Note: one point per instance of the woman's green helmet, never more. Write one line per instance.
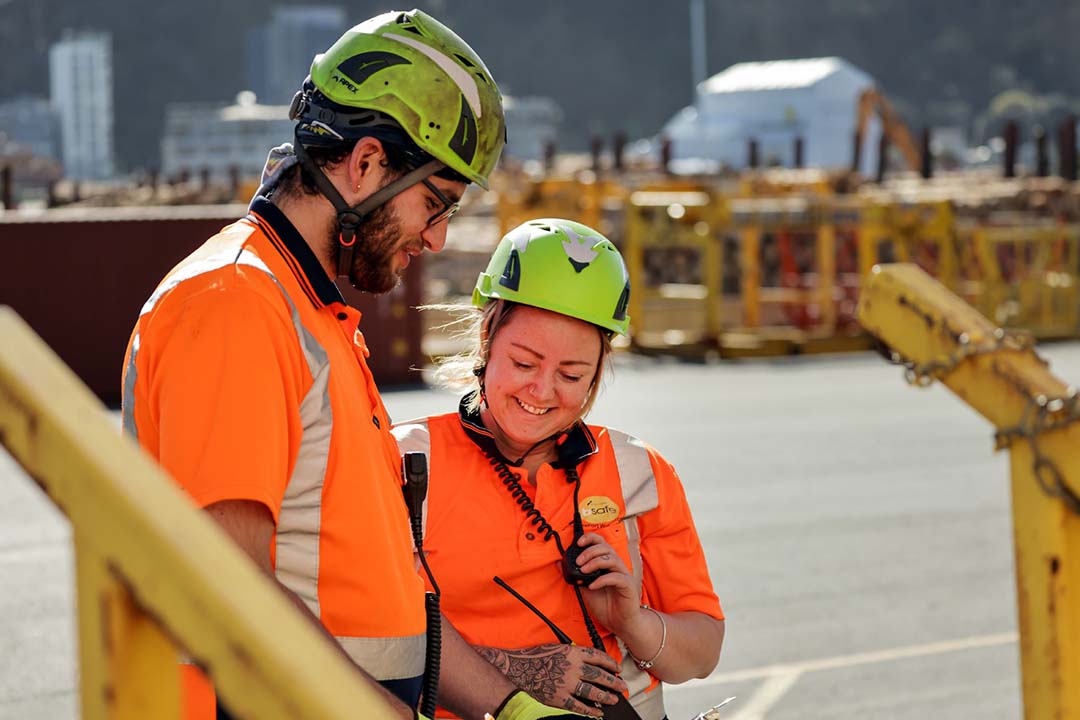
(562, 266)
(414, 69)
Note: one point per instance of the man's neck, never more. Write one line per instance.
(313, 218)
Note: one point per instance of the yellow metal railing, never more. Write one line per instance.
(156, 577)
(938, 336)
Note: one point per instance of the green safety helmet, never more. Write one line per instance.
(562, 266)
(416, 72)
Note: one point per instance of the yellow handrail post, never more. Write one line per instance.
(938, 336)
(128, 664)
(151, 566)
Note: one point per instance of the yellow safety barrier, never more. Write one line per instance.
(155, 576)
(940, 337)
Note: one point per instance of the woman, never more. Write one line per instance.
(587, 523)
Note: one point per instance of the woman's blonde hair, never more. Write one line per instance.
(479, 327)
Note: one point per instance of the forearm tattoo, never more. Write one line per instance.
(538, 670)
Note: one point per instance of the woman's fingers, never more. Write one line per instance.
(594, 675)
(589, 692)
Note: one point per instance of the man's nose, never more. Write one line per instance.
(434, 236)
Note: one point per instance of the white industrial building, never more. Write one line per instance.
(81, 89)
(774, 103)
(218, 138)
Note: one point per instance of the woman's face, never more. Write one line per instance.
(539, 370)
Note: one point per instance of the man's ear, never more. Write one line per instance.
(366, 164)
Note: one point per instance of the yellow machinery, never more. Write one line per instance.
(1028, 277)
(892, 125)
(939, 337)
(773, 262)
(674, 254)
(584, 198)
(156, 577)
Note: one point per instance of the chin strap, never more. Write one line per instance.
(350, 217)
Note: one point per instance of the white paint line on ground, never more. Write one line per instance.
(766, 696)
(842, 661)
(781, 678)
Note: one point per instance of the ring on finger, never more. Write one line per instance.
(582, 690)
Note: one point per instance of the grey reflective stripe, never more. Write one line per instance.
(415, 436)
(388, 658)
(640, 495)
(635, 473)
(297, 539)
(128, 400)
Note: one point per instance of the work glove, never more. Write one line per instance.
(519, 705)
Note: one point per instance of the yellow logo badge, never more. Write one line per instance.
(599, 510)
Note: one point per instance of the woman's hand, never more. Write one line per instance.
(565, 676)
(614, 598)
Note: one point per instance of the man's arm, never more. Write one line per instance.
(469, 686)
(471, 683)
(251, 526)
(574, 677)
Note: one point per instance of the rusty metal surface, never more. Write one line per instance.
(80, 278)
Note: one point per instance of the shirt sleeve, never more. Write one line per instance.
(675, 573)
(226, 387)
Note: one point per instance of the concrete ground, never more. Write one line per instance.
(857, 529)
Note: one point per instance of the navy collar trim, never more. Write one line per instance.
(576, 445)
(288, 241)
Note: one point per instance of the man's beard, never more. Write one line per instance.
(378, 238)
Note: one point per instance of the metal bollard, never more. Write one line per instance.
(1012, 139)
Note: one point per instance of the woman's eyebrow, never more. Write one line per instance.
(528, 349)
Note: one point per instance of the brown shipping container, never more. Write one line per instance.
(80, 276)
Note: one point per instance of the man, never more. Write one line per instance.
(246, 375)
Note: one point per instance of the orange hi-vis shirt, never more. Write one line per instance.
(246, 379)
(475, 529)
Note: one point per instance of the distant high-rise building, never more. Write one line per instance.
(29, 124)
(80, 80)
(279, 53)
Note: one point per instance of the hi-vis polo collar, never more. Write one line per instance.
(287, 240)
(577, 446)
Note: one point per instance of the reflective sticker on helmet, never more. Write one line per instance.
(464, 140)
(458, 74)
(579, 248)
(360, 67)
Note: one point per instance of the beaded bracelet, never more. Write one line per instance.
(646, 664)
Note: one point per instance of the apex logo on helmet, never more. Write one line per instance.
(361, 67)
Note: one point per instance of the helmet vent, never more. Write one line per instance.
(464, 60)
(624, 301)
(360, 67)
(511, 277)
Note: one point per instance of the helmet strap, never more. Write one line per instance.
(349, 218)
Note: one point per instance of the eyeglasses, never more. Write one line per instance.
(449, 209)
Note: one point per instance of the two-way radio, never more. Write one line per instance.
(414, 469)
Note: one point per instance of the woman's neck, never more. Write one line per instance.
(531, 457)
